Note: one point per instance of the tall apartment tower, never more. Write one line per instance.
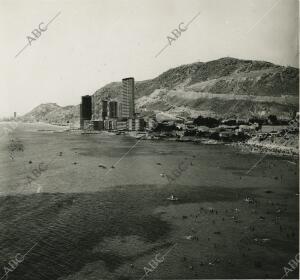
(104, 109)
(128, 98)
(113, 109)
(85, 109)
(120, 116)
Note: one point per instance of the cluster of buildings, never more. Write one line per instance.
(111, 114)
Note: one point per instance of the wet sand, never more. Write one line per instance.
(91, 221)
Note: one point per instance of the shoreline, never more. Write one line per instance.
(268, 149)
(247, 147)
(251, 146)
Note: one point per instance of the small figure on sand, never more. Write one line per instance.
(172, 198)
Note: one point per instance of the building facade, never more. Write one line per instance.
(139, 124)
(120, 110)
(121, 125)
(128, 98)
(85, 109)
(113, 109)
(98, 125)
(110, 124)
(104, 109)
(131, 124)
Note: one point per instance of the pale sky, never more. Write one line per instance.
(92, 43)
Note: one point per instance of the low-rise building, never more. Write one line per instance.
(131, 124)
(248, 128)
(139, 124)
(87, 125)
(190, 125)
(110, 124)
(121, 125)
(98, 125)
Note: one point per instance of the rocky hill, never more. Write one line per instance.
(226, 87)
(53, 113)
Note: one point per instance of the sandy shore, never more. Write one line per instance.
(91, 221)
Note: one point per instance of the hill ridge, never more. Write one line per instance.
(202, 88)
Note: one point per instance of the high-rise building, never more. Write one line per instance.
(15, 114)
(85, 109)
(128, 98)
(104, 109)
(96, 107)
(113, 109)
(120, 110)
(80, 114)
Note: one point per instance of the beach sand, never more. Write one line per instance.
(91, 221)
